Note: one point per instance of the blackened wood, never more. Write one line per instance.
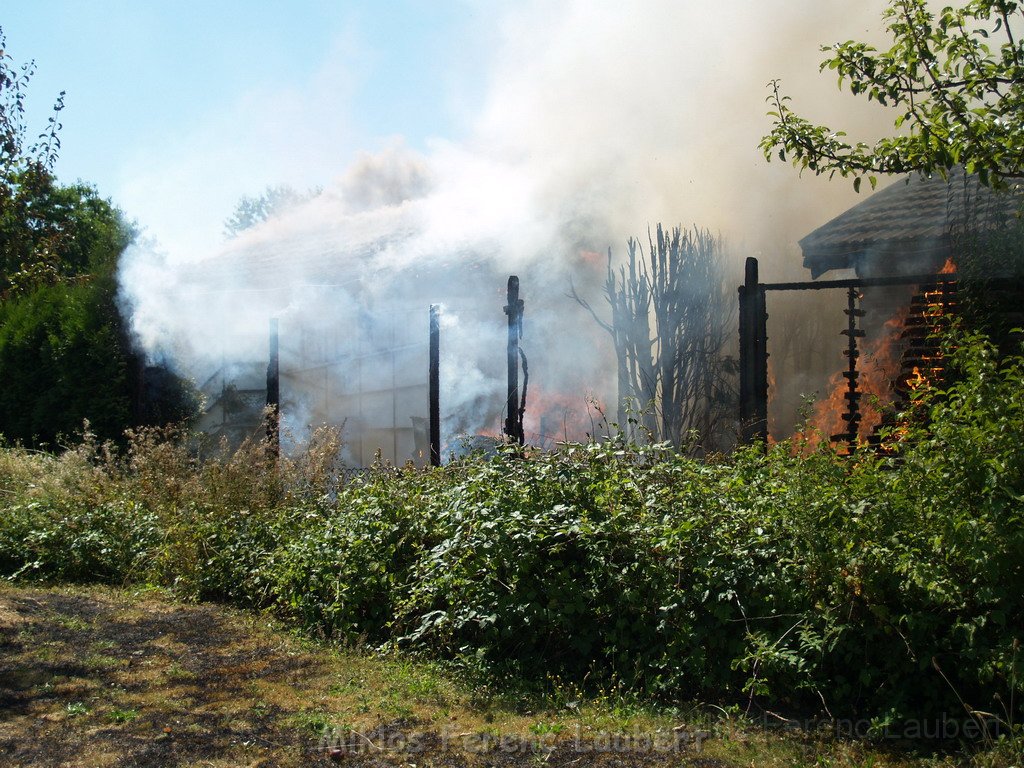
(435, 385)
(760, 424)
(852, 395)
(753, 358)
(514, 310)
(273, 410)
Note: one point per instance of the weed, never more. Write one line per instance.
(73, 623)
(546, 729)
(98, 662)
(178, 673)
(312, 721)
(119, 715)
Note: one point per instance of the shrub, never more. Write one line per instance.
(877, 585)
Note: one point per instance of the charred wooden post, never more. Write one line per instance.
(513, 409)
(747, 350)
(139, 395)
(753, 357)
(761, 369)
(852, 395)
(273, 409)
(435, 385)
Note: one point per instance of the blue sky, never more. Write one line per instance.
(245, 94)
(615, 113)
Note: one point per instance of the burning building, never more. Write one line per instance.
(352, 297)
(896, 245)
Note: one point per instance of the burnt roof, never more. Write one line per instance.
(907, 227)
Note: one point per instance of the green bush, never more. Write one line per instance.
(882, 585)
(349, 562)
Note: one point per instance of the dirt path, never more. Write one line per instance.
(93, 680)
(106, 678)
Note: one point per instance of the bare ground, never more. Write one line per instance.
(94, 677)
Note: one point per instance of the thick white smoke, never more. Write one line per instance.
(600, 119)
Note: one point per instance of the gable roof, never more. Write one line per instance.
(908, 227)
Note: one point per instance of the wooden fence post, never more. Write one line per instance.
(753, 357)
(435, 385)
(273, 410)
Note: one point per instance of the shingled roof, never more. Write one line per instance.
(906, 228)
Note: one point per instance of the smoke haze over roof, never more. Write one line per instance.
(596, 121)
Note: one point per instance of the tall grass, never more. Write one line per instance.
(887, 586)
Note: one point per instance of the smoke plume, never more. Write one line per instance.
(599, 120)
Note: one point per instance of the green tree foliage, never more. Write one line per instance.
(65, 354)
(15, 155)
(62, 359)
(31, 235)
(274, 201)
(955, 81)
(51, 234)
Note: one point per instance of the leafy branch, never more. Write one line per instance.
(957, 98)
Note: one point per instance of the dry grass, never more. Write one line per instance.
(99, 677)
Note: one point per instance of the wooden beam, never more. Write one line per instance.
(273, 409)
(753, 358)
(435, 385)
(514, 310)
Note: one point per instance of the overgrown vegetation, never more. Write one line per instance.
(878, 587)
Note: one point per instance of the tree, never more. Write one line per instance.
(274, 201)
(14, 155)
(65, 350)
(28, 238)
(671, 322)
(66, 353)
(958, 97)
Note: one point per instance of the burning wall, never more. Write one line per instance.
(912, 227)
(353, 313)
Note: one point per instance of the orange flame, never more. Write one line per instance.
(878, 365)
(553, 417)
